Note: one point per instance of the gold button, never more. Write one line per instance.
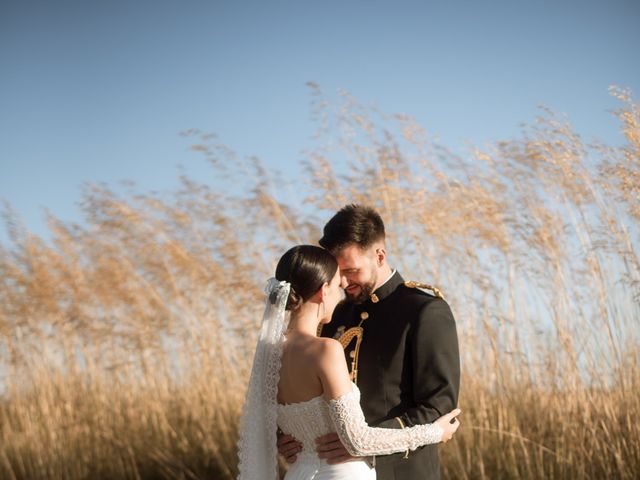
(364, 315)
(374, 298)
(352, 354)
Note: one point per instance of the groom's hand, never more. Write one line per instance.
(288, 447)
(331, 449)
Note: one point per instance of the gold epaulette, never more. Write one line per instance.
(436, 291)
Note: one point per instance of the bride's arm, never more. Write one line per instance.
(358, 438)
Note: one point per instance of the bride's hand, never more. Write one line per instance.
(447, 425)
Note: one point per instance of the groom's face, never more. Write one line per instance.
(358, 272)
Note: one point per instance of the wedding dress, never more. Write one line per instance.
(262, 415)
(316, 417)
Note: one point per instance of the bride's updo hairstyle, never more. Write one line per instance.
(306, 268)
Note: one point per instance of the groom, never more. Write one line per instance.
(406, 361)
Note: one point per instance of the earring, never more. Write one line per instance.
(323, 311)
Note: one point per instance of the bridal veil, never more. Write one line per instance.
(257, 449)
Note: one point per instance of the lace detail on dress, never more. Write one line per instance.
(360, 439)
(306, 421)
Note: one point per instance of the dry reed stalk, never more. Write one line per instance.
(126, 341)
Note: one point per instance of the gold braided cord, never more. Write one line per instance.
(346, 337)
(436, 291)
(345, 340)
(406, 454)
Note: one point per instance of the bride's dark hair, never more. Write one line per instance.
(306, 268)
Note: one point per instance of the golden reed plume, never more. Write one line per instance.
(126, 341)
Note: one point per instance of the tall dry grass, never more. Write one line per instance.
(126, 340)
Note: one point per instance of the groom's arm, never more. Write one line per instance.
(436, 366)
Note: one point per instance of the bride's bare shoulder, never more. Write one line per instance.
(329, 346)
(332, 369)
(316, 347)
(330, 352)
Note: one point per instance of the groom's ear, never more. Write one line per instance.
(381, 255)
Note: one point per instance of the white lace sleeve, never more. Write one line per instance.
(360, 439)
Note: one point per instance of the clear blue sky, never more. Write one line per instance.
(99, 90)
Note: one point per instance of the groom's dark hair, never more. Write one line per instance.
(352, 225)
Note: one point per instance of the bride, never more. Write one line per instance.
(300, 383)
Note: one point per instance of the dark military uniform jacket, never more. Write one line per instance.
(408, 368)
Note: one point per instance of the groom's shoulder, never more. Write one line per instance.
(418, 293)
(423, 301)
(430, 305)
(424, 289)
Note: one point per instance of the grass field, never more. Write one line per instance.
(125, 342)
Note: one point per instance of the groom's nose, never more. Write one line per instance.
(344, 283)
